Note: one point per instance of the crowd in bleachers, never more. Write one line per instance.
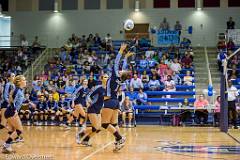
(162, 70)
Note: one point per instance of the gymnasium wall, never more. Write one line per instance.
(55, 28)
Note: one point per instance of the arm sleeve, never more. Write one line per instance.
(116, 64)
(5, 93)
(125, 64)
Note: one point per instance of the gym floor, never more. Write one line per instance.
(143, 142)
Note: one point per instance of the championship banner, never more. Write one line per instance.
(167, 37)
(234, 34)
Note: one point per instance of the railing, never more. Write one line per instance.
(38, 65)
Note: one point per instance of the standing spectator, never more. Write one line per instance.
(217, 111)
(127, 112)
(136, 83)
(97, 39)
(141, 97)
(178, 27)
(232, 96)
(108, 42)
(24, 42)
(201, 113)
(164, 25)
(230, 23)
(154, 84)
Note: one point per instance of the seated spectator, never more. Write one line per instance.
(132, 96)
(61, 83)
(185, 114)
(69, 89)
(136, 83)
(121, 96)
(161, 68)
(141, 97)
(108, 42)
(175, 66)
(145, 78)
(127, 112)
(230, 45)
(149, 53)
(97, 39)
(201, 113)
(220, 59)
(169, 84)
(40, 113)
(143, 63)
(217, 111)
(91, 81)
(55, 95)
(221, 44)
(154, 84)
(188, 78)
(187, 61)
(176, 79)
(186, 42)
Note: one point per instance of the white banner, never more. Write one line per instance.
(234, 34)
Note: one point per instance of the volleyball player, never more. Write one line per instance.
(16, 100)
(52, 108)
(9, 86)
(79, 103)
(94, 102)
(111, 103)
(64, 109)
(40, 112)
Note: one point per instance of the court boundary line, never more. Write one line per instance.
(98, 150)
(236, 140)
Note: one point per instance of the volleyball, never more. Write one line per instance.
(128, 25)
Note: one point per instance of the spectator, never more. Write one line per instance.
(91, 81)
(230, 44)
(176, 79)
(154, 84)
(69, 89)
(149, 53)
(188, 79)
(97, 39)
(186, 42)
(55, 95)
(201, 113)
(178, 27)
(136, 83)
(175, 66)
(187, 61)
(230, 23)
(141, 97)
(145, 78)
(232, 96)
(132, 96)
(220, 59)
(164, 25)
(169, 84)
(24, 42)
(108, 42)
(221, 44)
(217, 111)
(127, 111)
(143, 62)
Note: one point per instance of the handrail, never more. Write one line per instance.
(208, 68)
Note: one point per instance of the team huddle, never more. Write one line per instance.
(99, 105)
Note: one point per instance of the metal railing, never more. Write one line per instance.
(38, 65)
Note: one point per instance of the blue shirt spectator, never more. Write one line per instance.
(141, 97)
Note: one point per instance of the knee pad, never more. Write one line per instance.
(94, 129)
(105, 125)
(115, 125)
(10, 132)
(1, 126)
(18, 132)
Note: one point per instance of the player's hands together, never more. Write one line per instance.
(129, 54)
(122, 48)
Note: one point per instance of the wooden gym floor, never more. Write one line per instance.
(143, 143)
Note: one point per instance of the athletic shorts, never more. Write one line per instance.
(96, 109)
(10, 112)
(111, 104)
(4, 104)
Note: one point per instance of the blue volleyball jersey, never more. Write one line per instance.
(42, 106)
(18, 98)
(96, 96)
(80, 94)
(6, 91)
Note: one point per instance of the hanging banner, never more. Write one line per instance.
(234, 34)
(167, 37)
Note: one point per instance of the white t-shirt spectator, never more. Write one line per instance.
(188, 80)
(148, 54)
(170, 85)
(176, 67)
(232, 93)
(24, 43)
(154, 84)
(136, 83)
(108, 40)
